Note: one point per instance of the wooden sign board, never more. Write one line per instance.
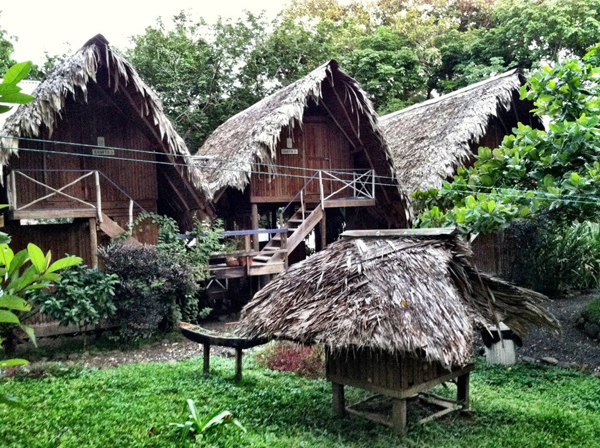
(289, 151)
(103, 152)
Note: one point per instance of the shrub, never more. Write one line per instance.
(589, 323)
(154, 291)
(84, 297)
(291, 357)
(555, 258)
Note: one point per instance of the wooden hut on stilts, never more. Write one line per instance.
(396, 311)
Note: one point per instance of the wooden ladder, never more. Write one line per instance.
(301, 223)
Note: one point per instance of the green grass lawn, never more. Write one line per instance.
(132, 406)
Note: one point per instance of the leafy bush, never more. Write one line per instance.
(556, 258)
(290, 357)
(205, 239)
(84, 297)
(154, 292)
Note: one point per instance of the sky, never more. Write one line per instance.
(51, 25)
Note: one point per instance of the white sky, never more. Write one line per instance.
(50, 25)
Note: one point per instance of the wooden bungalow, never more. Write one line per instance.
(313, 149)
(396, 311)
(429, 141)
(93, 151)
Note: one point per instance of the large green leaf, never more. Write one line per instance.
(37, 257)
(17, 98)
(17, 73)
(64, 263)
(8, 318)
(30, 332)
(4, 109)
(12, 362)
(14, 303)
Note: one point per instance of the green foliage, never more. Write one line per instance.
(205, 237)
(533, 172)
(154, 290)
(592, 311)
(526, 406)
(200, 426)
(84, 297)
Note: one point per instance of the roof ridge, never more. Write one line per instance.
(449, 95)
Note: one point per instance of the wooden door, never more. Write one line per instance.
(326, 149)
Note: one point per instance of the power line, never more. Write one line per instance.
(270, 165)
(527, 194)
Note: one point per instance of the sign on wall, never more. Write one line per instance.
(289, 151)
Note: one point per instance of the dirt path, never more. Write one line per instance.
(573, 346)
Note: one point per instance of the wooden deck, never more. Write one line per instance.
(53, 213)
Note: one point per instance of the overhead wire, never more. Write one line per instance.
(525, 194)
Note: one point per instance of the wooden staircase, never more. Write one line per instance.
(301, 223)
(114, 230)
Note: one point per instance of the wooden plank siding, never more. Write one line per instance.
(320, 145)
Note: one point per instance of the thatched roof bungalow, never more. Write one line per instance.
(95, 147)
(413, 292)
(430, 140)
(242, 152)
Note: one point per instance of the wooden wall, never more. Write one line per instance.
(84, 123)
(319, 145)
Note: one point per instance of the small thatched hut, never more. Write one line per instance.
(93, 151)
(396, 311)
(321, 127)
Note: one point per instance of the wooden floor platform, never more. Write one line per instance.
(222, 271)
(53, 213)
(349, 202)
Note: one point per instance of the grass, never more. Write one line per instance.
(526, 406)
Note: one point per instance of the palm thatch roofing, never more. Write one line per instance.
(408, 292)
(231, 153)
(430, 140)
(71, 79)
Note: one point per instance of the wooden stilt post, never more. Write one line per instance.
(399, 416)
(93, 242)
(324, 230)
(255, 226)
(462, 390)
(206, 358)
(238, 364)
(339, 403)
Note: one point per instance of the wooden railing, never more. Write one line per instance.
(60, 191)
(361, 186)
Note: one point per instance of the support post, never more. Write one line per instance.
(284, 250)
(255, 226)
(130, 214)
(13, 184)
(93, 242)
(373, 184)
(462, 390)
(247, 243)
(98, 196)
(238, 364)
(339, 403)
(206, 349)
(399, 416)
(322, 193)
(324, 230)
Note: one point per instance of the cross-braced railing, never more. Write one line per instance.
(60, 191)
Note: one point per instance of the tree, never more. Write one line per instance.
(533, 172)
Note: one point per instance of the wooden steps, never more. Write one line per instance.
(114, 230)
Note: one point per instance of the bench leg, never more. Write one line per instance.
(399, 421)
(206, 358)
(339, 403)
(462, 390)
(238, 364)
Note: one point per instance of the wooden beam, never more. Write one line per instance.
(255, 225)
(338, 400)
(177, 192)
(323, 228)
(399, 416)
(462, 390)
(399, 232)
(93, 242)
(53, 213)
(238, 364)
(206, 355)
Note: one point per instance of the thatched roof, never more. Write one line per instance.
(429, 140)
(413, 294)
(70, 79)
(251, 136)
